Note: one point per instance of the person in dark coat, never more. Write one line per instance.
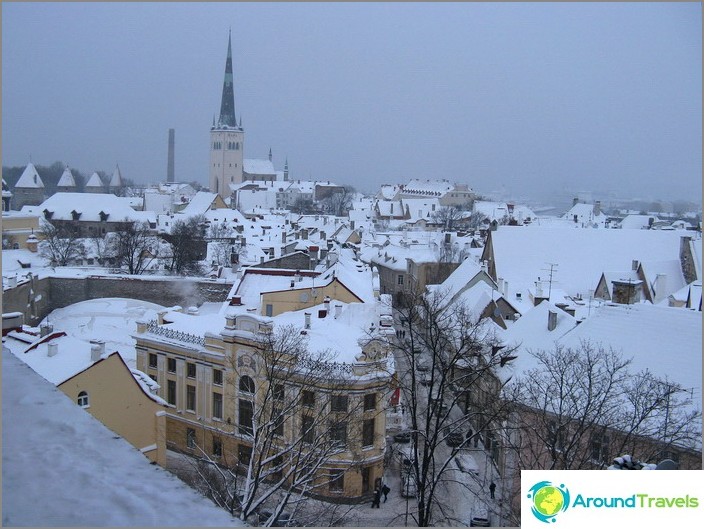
(377, 498)
(492, 489)
(385, 490)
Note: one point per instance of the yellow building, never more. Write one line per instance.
(103, 385)
(17, 228)
(223, 378)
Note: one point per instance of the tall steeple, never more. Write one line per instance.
(227, 106)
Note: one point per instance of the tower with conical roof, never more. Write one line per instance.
(226, 138)
(29, 189)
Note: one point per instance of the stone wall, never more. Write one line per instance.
(57, 292)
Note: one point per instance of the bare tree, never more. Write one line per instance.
(136, 246)
(295, 416)
(448, 360)
(61, 244)
(579, 407)
(187, 245)
(339, 202)
(224, 242)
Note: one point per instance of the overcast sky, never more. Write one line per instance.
(524, 98)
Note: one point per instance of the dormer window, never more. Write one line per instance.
(48, 214)
(103, 216)
(75, 215)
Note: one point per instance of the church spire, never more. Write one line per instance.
(227, 106)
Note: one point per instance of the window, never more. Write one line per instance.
(269, 309)
(83, 399)
(600, 448)
(152, 360)
(308, 429)
(370, 402)
(368, 432)
(338, 434)
(244, 454)
(308, 398)
(338, 403)
(171, 392)
(153, 377)
(191, 398)
(171, 365)
(246, 415)
(217, 377)
(217, 405)
(190, 438)
(399, 280)
(246, 384)
(277, 417)
(337, 481)
(190, 370)
(217, 447)
(278, 392)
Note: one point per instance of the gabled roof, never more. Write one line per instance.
(259, 167)
(90, 206)
(30, 178)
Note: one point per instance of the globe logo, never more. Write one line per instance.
(548, 500)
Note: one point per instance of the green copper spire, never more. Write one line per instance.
(227, 106)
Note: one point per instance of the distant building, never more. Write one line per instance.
(226, 138)
(29, 189)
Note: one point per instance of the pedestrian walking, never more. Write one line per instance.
(377, 498)
(385, 490)
(492, 489)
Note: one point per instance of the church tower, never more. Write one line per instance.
(226, 138)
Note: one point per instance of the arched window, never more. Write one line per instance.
(246, 384)
(83, 399)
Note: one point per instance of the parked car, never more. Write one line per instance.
(284, 519)
(480, 516)
(402, 437)
(408, 486)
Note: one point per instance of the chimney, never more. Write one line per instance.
(500, 281)
(230, 319)
(45, 329)
(485, 267)
(538, 289)
(659, 287)
(448, 238)
(575, 201)
(53, 348)
(97, 349)
(505, 291)
(32, 243)
(283, 237)
(326, 303)
(634, 264)
(170, 177)
(12, 281)
(552, 320)
(307, 316)
(597, 208)
(304, 234)
(338, 311)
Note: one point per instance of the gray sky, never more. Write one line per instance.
(526, 98)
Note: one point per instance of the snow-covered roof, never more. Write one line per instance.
(665, 340)
(671, 281)
(637, 222)
(259, 167)
(524, 254)
(66, 469)
(66, 179)
(94, 181)
(436, 188)
(30, 178)
(460, 277)
(199, 204)
(497, 210)
(90, 205)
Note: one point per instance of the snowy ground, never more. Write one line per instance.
(61, 467)
(110, 319)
